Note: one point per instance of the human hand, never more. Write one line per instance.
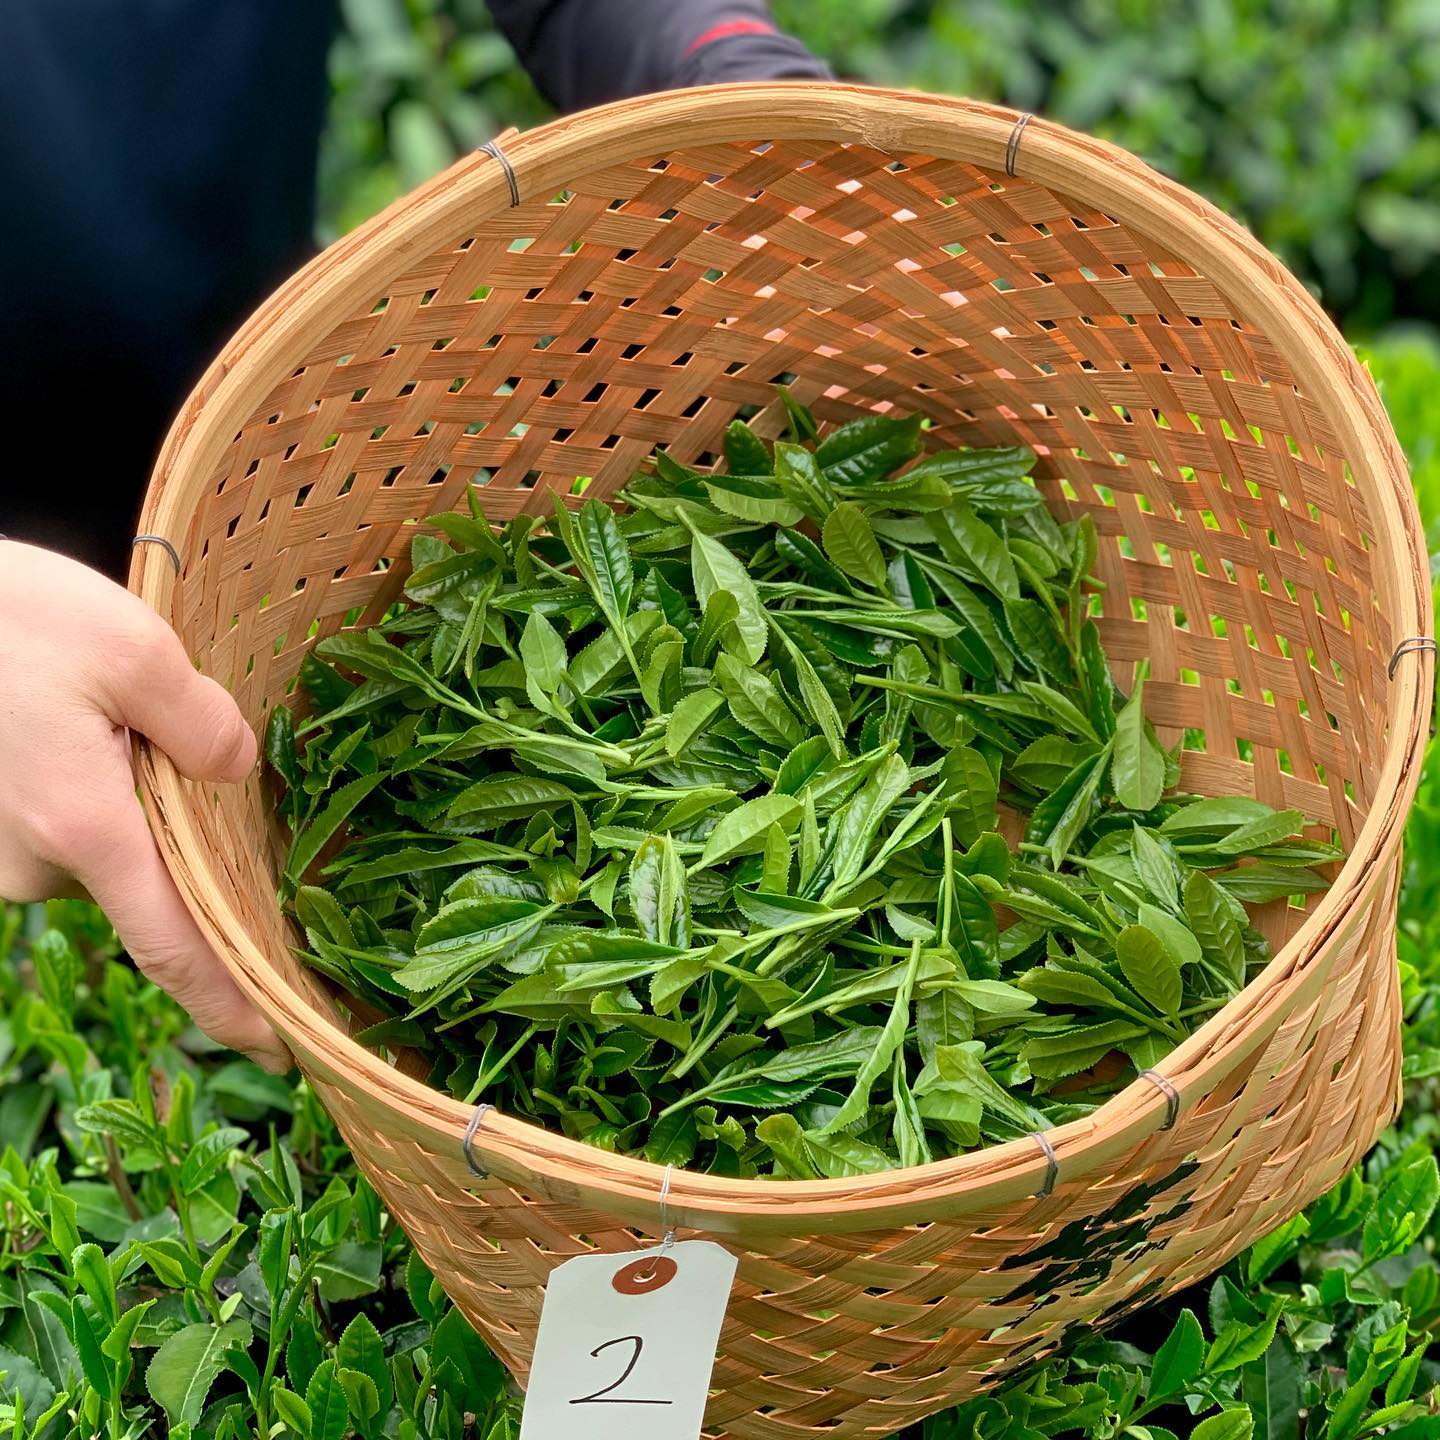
(82, 663)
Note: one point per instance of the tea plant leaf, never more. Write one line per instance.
(1273, 1388)
(867, 449)
(24, 1380)
(750, 499)
(1209, 913)
(757, 704)
(976, 549)
(689, 717)
(312, 838)
(673, 1140)
(743, 829)
(1149, 968)
(186, 1366)
(361, 1349)
(972, 788)
(329, 1409)
(878, 1060)
(611, 573)
(120, 1118)
(1180, 944)
(1178, 1360)
(1154, 867)
(1232, 1424)
(1053, 1057)
(292, 1410)
(1260, 832)
(543, 653)
(715, 569)
(851, 545)
(802, 422)
(745, 452)
(1137, 771)
(207, 1157)
(349, 1271)
(1238, 1343)
(1406, 1202)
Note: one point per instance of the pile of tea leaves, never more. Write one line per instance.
(679, 829)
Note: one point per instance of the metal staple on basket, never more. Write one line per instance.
(1012, 145)
(1052, 1164)
(164, 544)
(1172, 1096)
(492, 147)
(467, 1144)
(1414, 645)
(679, 253)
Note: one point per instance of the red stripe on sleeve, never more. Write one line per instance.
(728, 28)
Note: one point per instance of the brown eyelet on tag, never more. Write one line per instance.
(642, 1276)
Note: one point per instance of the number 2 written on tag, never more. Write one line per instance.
(627, 1343)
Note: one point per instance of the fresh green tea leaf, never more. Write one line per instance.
(1149, 967)
(1137, 769)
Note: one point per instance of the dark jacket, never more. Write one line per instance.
(157, 159)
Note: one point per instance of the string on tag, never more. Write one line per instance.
(669, 1241)
(656, 1269)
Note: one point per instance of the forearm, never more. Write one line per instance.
(585, 52)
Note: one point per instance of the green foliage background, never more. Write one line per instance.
(1316, 122)
(185, 1246)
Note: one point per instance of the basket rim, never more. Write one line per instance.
(475, 188)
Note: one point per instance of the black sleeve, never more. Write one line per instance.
(157, 163)
(585, 52)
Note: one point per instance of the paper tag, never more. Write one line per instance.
(627, 1343)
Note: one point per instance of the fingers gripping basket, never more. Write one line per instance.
(639, 276)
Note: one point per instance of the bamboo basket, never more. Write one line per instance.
(563, 302)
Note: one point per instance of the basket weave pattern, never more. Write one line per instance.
(669, 260)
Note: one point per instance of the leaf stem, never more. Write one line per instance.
(698, 1051)
(487, 1078)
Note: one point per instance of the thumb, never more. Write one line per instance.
(124, 874)
(156, 691)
